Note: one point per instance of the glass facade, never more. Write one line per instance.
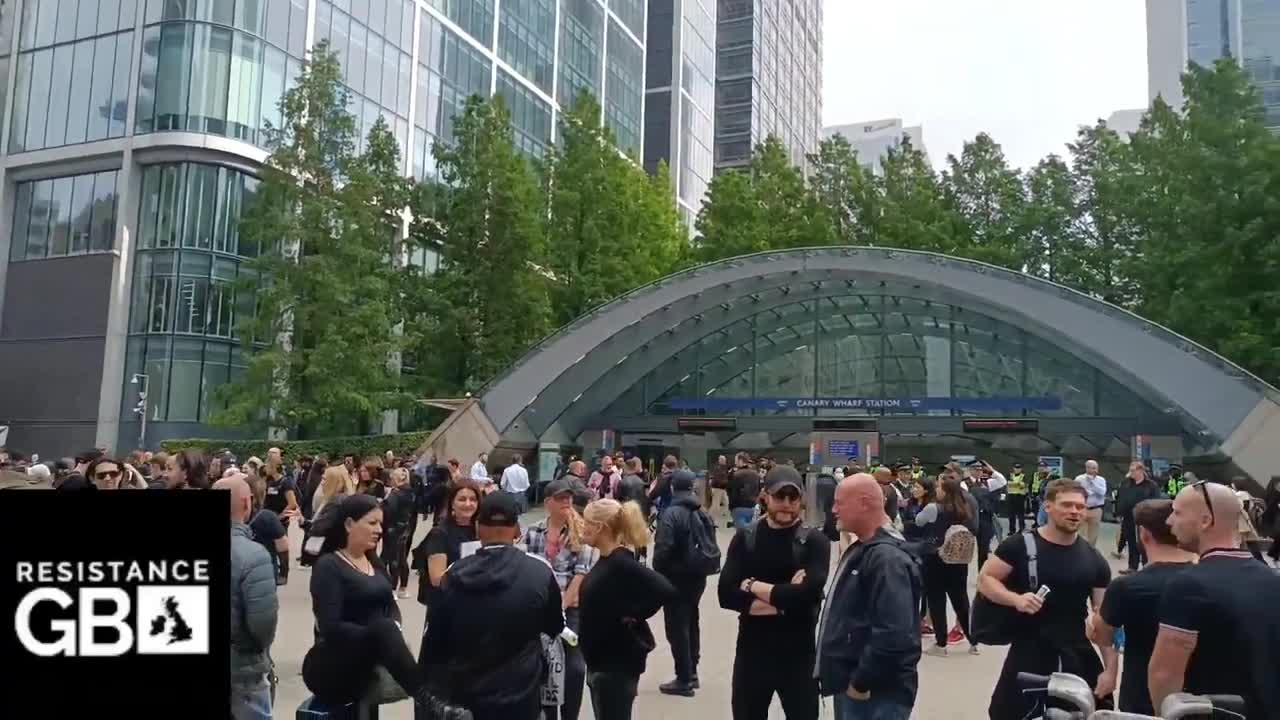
(182, 320)
(72, 83)
(526, 33)
(875, 347)
(768, 78)
(624, 89)
(581, 41)
(449, 71)
(530, 116)
(64, 216)
(1244, 29)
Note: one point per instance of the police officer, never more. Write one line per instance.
(1175, 482)
(1017, 499)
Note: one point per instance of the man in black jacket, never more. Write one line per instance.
(744, 491)
(869, 634)
(486, 622)
(773, 576)
(1138, 486)
(670, 554)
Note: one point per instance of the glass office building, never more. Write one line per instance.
(679, 96)
(131, 134)
(768, 78)
(1180, 32)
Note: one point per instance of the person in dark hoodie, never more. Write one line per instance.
(670, 558)
(1137, 487)
(619, 596)
(868, 636)
(488, 618)
(773, 576)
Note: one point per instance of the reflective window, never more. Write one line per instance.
(64, 216)
(1260, 54)
(185, 302)
(581, 35)
(530, 116)
(526, 33)
(449, 71)
(475, 17)
(624, 89)
(631, 12)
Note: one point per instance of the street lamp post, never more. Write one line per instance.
(142, 381)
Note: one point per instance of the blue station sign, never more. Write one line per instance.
(899, 404)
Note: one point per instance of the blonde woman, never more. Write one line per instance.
(335, 483)
(558, 540)
(618, 597)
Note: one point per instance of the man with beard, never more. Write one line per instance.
(1219, 618)
(774, 573)
(1051, 636)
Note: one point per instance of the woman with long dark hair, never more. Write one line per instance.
(920, 494)
(397, 510)
(943, 580)
(357, 620)
(444, 543)
(188, 470)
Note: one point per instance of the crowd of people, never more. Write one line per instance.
(527, 619)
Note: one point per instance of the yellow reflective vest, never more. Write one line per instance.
(1017, 484)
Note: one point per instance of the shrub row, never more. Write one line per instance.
(401, 444)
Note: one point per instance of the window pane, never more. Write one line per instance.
(81, 213)
(211, 65)
(56, 129)
(128, 13)
(104, 211)
(27, 28)
(60, 217)
(249, 15)
(378, 16)
(21, 93)
(146, 79)
(201, 205)
(141, 293)
(273, 88)
(170, 200)
(173, 77)
(38, 111)
(227, 227)
(216, 374)
(108, 15)
(85, 20)
(21, 221)
(80, 98)
(160, 304)
(244, 96)
(390, 74)
(157, 369)
(46, 23)
(277, 32)
(38, 235)
(356, 59)
(184, 380)
(298, 27)
(117, 108)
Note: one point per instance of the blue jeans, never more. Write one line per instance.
(250, 702)
(874, 709)
(742, 517)
(521, 498)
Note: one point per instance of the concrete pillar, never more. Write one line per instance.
(111, 392)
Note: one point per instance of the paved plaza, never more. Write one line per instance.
(957, 687)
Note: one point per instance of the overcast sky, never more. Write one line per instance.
(1028, 72)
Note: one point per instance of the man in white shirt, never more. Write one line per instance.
(515, 482)
(1095, 487)
(480, 470)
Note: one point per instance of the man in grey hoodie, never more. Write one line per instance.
(254, 609)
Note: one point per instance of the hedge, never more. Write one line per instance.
(402, 444)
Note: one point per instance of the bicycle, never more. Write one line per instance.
(1073, 690)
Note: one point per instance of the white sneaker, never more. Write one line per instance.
(973, 649)
(402, 594)
(936, 651)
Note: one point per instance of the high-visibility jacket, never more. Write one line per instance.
(1037, 482)
(917, 473)
(1175, 485)
(1017, 484)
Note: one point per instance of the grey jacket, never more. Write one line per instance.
(254, 607)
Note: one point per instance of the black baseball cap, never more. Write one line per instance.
(781, 476)
(557, 487)
(1017, 466)
(903, 466)
(682, 480)
(498, 510)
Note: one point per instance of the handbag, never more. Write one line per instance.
(994, 624)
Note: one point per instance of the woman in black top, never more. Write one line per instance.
(282, 499)
(618, 597)
(443, 545)
(943, 581)
(920, 495)
(397, 511)
(357, 620)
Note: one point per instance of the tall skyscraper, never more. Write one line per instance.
(680, 95)
(130, 143)
(768, 78)
(1180, 32)
(873, 139)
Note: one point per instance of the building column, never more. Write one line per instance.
(111, 392)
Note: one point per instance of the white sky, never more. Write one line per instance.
(1027, 72)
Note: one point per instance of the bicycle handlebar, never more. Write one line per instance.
(1033, 681)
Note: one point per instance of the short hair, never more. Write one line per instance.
(1154, 516)
(1063, 485)
(671, 462)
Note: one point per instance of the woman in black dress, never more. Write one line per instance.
(357, 620)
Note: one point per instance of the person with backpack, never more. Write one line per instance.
(950, 530)
(685, 552)
(774, 573)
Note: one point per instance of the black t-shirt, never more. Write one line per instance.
(1232, 602)
(275, 500)
(1071, 572)
(267, 528)
(444, 539)
(890, 500)
(1131, 603)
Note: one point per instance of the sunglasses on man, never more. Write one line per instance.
(787, 494)
(1204, 490)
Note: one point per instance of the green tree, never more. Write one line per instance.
(1101, 255)
(1050, 220)
(488, 302)
(326, 221)
(764, 206)
(845, 193)
(985, 195)
(610, 227)
(914, 212)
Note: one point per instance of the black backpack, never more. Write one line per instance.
(702, 552)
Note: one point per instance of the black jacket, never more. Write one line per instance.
(619, 596)
(869, 633)
(398, 509)
(670, 542)
(744, 488)
(1131, 493)
(484, 646)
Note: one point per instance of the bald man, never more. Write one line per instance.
(1220, 618)
(869, 633)
(254, 608)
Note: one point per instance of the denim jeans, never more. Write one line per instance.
(742, 517)
(874, 709)
(251, 702)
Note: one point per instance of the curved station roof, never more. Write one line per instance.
(915, 339)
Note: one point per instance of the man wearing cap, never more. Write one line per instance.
(487, 619)
(680, 616)
(773, 576)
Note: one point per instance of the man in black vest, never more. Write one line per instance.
(773, 577)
